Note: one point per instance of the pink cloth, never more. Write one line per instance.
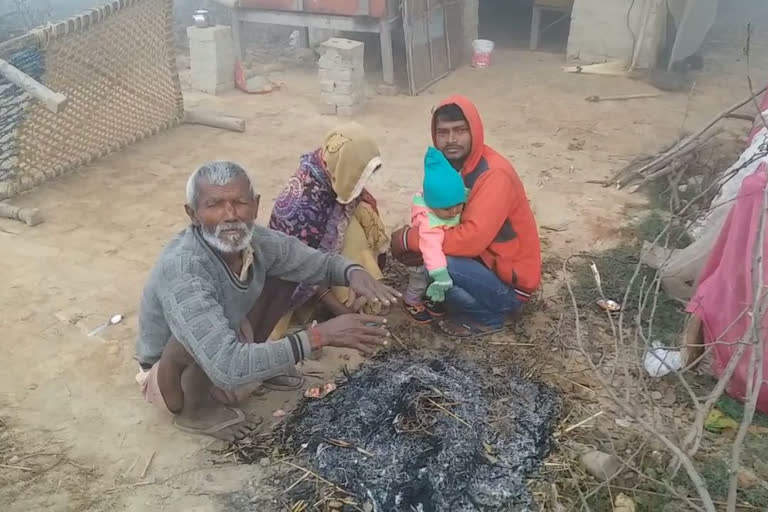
(725, 286)
(430, 238)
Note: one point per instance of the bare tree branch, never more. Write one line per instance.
(690, 468)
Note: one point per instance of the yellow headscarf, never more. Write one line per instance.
(351, 157)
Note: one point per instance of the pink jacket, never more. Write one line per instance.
(431, 229)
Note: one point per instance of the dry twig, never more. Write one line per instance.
(146, 466)
(628, 407)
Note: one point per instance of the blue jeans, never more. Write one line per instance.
(478, 295)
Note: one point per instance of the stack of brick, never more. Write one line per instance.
(342, 78)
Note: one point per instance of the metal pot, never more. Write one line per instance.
(202, 18)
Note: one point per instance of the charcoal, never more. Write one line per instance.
(435, 432)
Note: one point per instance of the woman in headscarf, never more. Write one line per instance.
(326, 206)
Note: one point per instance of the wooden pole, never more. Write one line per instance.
(54, 101)
(30, 216)
(234, 124)
(625, 97)
(661, 160)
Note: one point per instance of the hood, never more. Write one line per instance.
(475, 128)
(351, 156)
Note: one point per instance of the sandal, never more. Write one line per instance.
(418, 313)
(464, 330)
(212, 431)
(284, 383)
(436, 309)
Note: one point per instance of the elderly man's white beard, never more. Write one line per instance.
(227, 242)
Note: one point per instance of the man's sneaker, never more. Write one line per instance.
(418, 313)
(435, 308)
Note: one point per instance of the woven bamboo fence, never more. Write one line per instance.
(116, 65)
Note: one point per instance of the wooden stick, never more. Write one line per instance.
(20, 468)
(146, 466)
(582, 422)
(54, 101)
(623, 97)
(234, 124)
(30, 216)
(616, 68)
(129, 486)
(681, 158)
(449, 413)
(663, 158)
(743, 117)
(130, 468)
(317, 476)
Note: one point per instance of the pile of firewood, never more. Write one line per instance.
(674, 160)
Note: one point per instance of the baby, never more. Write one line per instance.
(438, 208)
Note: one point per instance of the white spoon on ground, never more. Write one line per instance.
(116, 319)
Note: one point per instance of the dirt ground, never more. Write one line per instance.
(75, 433)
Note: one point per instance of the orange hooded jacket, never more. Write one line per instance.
(497, 225)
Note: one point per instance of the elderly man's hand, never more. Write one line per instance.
(362, 332)
(399, 247)
(364, 289)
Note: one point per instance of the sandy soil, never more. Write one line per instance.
(76, 433)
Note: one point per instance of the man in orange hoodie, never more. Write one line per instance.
(494, 255)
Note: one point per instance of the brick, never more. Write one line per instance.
(342, 87)
(335, 61)
(343, 100)
(346, 49)
(216, 33)
(341, 75)
(328, 110)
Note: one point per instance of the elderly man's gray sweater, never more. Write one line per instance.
(193, 295)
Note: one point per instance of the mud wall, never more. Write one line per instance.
(600, 31)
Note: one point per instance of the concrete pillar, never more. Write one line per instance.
(212, 58)
(470, 21)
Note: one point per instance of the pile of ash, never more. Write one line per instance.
(426, 433)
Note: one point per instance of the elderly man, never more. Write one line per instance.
(216, 293)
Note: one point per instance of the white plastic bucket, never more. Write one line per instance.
(481, 52)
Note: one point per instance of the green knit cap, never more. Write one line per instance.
(443, 185)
